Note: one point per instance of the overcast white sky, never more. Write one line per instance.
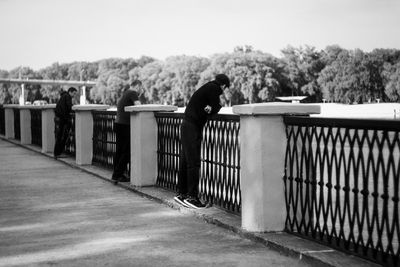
(37, 33)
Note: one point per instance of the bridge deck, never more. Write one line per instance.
(52, 213)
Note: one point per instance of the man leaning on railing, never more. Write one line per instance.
(203, 103)
(62, 120)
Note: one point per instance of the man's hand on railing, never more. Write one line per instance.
(208, 109)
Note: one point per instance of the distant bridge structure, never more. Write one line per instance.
(22, 82)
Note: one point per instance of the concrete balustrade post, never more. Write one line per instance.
(9, 120)
(48, 128)
(25, 125)
(144, 143)
(84, 132)
(262, 156)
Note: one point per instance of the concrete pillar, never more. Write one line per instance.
(144, 143)
(25, 124)
(84, 132)
(48, 128)
(9, 120)
(262, 157)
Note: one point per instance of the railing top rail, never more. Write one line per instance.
(372, 124)
(104, 111)
(233, 117)
(37, 107)
(168, 114)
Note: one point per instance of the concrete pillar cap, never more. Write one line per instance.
(90, 107)
(276, 108)
(10, 106)
(37, 106)
(150, 107)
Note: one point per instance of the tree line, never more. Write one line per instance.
(333, 74)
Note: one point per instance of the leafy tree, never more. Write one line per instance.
(5, 95)
(292, 57)
(21, 73)
(350, 78)
(303, 68)
(153, 84)
(54, 72)
(184, 75)
(115, 86)
(144, 60)
(378, 59)
(172, 81)
(82, 71)
(113, 75)
(3, 74)
(252, 74)
(330, 54)
(391, 76)
(101, 93)
(334, 73)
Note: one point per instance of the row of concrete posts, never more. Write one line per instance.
(262, 150)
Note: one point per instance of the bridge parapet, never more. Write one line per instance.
(25, 124)
(294, 170)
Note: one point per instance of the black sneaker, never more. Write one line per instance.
(124, 179)
(180, 199)
(194, 202)
(121, 179)
(114, 179)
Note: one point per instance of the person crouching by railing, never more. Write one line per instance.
(122, 129)
(203, 103)
(63, 120)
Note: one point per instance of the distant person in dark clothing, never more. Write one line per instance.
(63, 120)
(122, 157)
(203, 103)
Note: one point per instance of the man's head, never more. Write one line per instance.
(137, 86)
(72, 91)
(222, 80)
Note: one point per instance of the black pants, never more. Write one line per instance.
(62, 129)
(189, 169)
(123, 149)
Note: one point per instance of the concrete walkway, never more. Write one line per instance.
(53, 212)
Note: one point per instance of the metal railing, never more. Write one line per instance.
(104, 140)
(341, 183)
(17, 126)
(220, 158)
(2, 121)
(70, 144)
(36, 126)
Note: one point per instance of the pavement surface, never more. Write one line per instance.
(55, 213)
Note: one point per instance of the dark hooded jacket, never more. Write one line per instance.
(128, 98)
(64, 106)
(208, 94)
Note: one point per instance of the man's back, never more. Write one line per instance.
(208, 94)
(64, 106)
(128, 99)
